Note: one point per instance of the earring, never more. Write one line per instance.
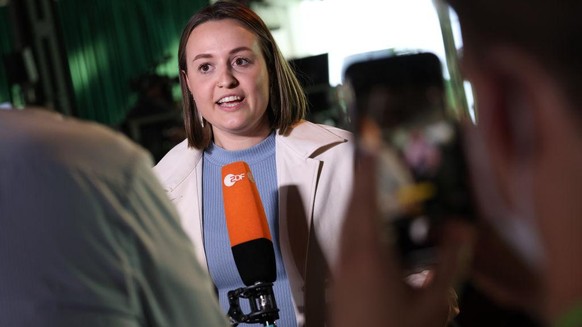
(201, 120)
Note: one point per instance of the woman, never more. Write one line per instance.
(243, 102)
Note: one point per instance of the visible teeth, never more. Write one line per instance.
(229, 99)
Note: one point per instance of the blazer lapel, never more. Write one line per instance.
(186, 195)
(298, 173)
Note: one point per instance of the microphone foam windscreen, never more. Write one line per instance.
(248, 229)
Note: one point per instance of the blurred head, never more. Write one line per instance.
(523, 60)
(227, 50)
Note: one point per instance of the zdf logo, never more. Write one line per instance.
(231, 179)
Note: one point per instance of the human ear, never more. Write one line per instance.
(491, 124)
(185, 78)
(507, 102)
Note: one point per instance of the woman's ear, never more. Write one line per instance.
(184, 76)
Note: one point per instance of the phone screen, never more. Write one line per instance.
(398, 108)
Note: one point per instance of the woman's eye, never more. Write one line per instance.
(241, 61)
(204, 68)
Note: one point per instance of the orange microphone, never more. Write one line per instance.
(248, 230)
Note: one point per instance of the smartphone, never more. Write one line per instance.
(398, 109)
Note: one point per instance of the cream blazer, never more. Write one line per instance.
(315, 168)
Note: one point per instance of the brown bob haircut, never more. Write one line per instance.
(287, 101)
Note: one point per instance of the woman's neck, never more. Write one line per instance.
(233, 141)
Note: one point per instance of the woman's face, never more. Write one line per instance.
(227, 76)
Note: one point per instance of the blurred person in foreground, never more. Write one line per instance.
(523, 60)
(87, 235)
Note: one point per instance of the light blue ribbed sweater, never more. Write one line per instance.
(261, 160)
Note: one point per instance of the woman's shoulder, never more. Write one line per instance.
(312, 139)
(317, 131)
(177, 164)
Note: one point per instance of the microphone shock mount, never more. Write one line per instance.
(261, 301)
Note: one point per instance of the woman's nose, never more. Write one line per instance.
(226, 79)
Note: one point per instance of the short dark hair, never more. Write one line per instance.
(287, 100)
(549, 30)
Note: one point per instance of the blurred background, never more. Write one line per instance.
(114, 62)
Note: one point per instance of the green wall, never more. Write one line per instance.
(5, 47)
(110, 42)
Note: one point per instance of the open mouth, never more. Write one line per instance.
(230, 101)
